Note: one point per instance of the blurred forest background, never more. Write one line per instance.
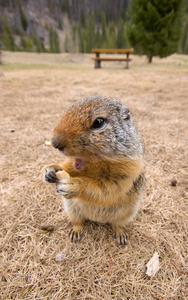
(71, 25)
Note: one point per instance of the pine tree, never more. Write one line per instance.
(65, 7)
(103, 22)
(184, 44)
(74, 39)
(54, 41)
(111, 36)
(38, 44)
(1, 46)
(97, 38)
(26, 44)
(121, 40)
(60, 23)
(8, 38)
(36, 41)
(155, 27)
(90, 33)
(82, 18)
(66, 44)
(80, 39)
(23, 18)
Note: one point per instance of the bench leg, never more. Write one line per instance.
(127, 62)
(97, 64)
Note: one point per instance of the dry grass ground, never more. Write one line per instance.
(34, 91)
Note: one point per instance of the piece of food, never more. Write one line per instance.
(153, 265)
(62, 175)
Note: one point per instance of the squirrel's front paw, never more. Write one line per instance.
(69, 188)
(49, 173)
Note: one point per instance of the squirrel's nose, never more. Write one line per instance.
(56, 143)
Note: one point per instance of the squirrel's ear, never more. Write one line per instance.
(126, 116)
(126, 113)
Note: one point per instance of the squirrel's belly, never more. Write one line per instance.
(101, 214)
(76, 209)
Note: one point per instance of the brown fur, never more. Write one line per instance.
(107, 188)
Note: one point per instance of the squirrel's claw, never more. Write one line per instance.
(121, 236)
(49, 173)
(75, 233)
(51, 177)
(68, 188)
(74, 236)
(64, 189)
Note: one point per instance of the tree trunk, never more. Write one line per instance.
(150, 59)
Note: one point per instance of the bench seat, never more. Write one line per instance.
(98, 58)
(112, 58)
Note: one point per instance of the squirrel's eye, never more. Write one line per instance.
(98, 123)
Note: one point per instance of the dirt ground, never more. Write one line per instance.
(34, 91)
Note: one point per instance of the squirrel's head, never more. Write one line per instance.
(97, 126)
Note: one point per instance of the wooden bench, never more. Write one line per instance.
(98, 58)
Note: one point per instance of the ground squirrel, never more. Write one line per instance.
(104, 158)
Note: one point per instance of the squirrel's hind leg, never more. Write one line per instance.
(75, 232)
(120, 235)
(76, 217)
